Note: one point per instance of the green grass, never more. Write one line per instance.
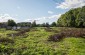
(36, 44)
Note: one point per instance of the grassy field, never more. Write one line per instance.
(36, 43)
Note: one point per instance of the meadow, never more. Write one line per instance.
(40, 41)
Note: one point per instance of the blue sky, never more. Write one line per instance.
(39, 10)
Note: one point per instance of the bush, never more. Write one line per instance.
(6, 50)
(6, 40)
(51, 30)
(78, 33)
(55, 37)
(20, 33)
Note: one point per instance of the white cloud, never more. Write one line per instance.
(68, 4)
(50, 17)
(31, 20)
(50, 12)
(54, 16)
(6, 17)
(45, 19)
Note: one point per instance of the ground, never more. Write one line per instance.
(36, 43)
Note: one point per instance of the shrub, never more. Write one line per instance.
(6, 40)
(51, 30)
(6, 50)
(74, 33)
(34, 29)
(20, 33)
(78, 33)
(55, 37)
(23, 47)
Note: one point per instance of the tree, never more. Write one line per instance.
(11, 23)
(73, 18)
(47, 25)
(53, 24)
(24, 24)
(43, 25)
(33, 24)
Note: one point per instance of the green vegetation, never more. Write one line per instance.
(23, 24)
(73, 18)
(53, 24)
(11, 23)
(36, 43)
(45, 39)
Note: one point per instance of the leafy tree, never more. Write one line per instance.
(24, 24)
(73, 18)
(47, 25)
(34, 24)
(43, 25)
(53, 24)
(11, 23)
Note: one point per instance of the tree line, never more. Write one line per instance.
(29, 24)
(73, 18)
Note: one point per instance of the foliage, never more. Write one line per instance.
(55, 37)
(68, 33)
(24, 24)
(6, 50)
(53, 24)
(36, 43)
(11, 23)
(21, 33)
(6, 40)
(47, 25)
(73, 18)
(33, 24)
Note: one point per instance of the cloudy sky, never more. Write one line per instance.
(39, 10)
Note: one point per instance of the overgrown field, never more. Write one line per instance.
(42, 41)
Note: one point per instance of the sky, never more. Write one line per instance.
(40, 10)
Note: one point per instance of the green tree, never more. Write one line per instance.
(73, 18)
(34, 24)
(24, 24)
(43, 25)
(47, 25)
(11, 23)
(53, 24)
